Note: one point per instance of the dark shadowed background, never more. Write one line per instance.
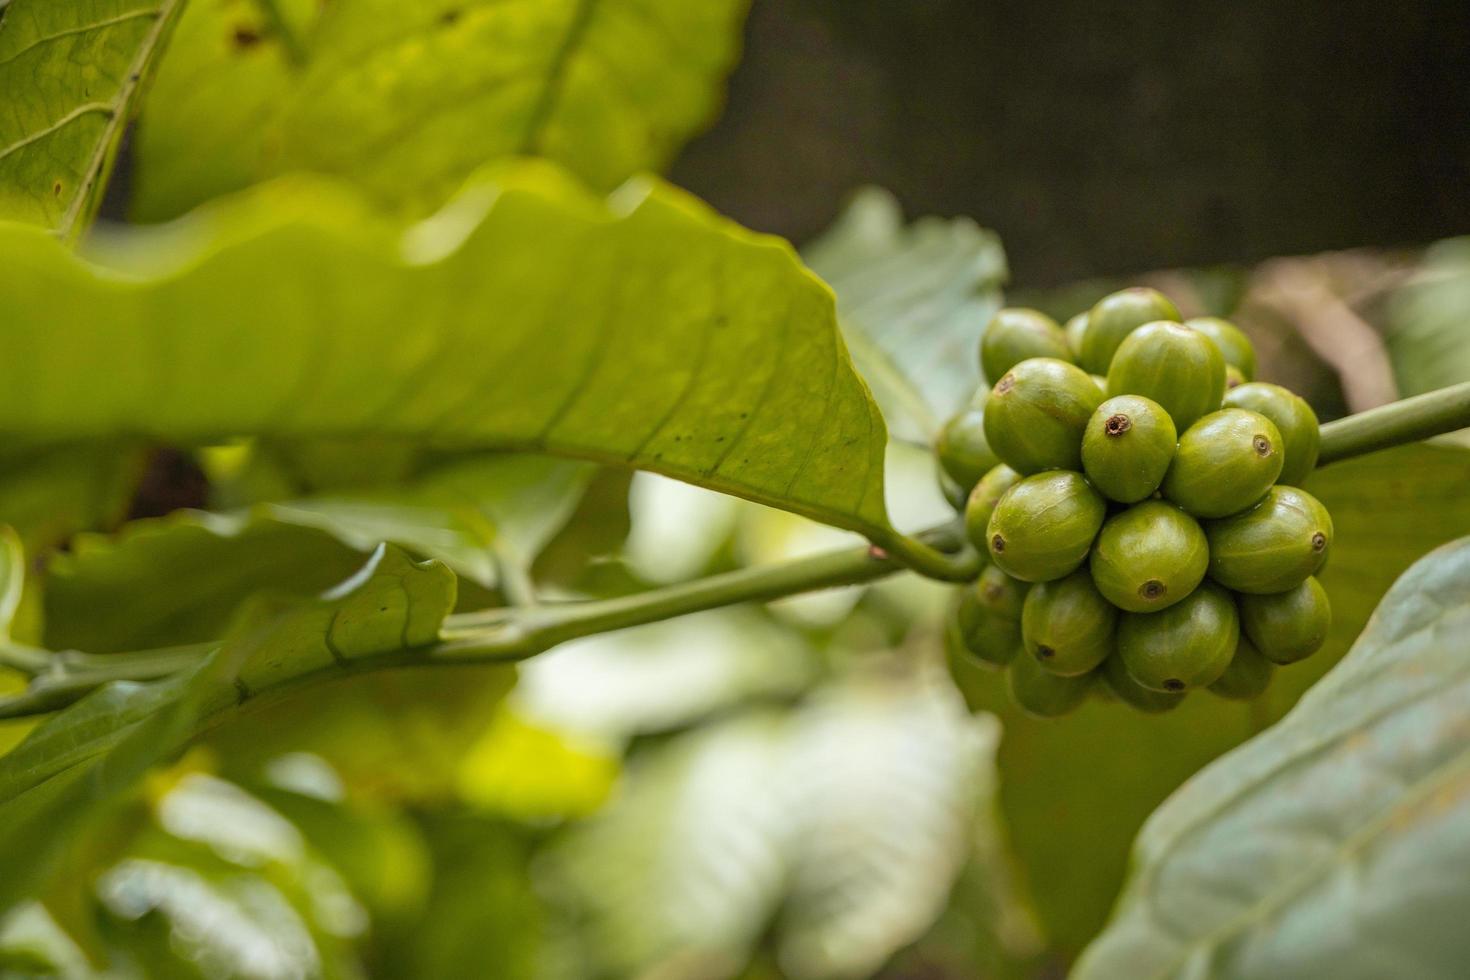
(1104, 138)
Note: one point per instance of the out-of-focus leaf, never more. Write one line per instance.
(885, 776)
(1428, 329)
(407, 99)
(223, 884)
(913, 301)
(532, 772)
(50, 494)
(644, 331)
(661, 676)
(82, 759)
(1338, 842)
(1107, 767)
(852, 816)
(71, 73)
(176, 580)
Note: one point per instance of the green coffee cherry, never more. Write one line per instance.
(1149, 557)
(1273, 546)
(1176, 366)
(1233, 378)
(999, 594)
(1300, 434)
(1114, 317)
(1127, 447)
(1288, 626)
(1041, 693)
(1186, 646)
(1234, 345)
(1067, 625)
(962, 449)
(1248, 675)
(1134, 694)
(1043, 526)
(1036, 414)
(983, 498)
(1226, 462)
(1076, 329)
(953, 493)
(989, 636)
(1101, 382)
(1016, 334)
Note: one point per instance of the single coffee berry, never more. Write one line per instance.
(1273, 546)
(1176, 366)
(1186, 646)
(1043, 527)
(1114, 317)
(1130, 692)
(1225, 464)
(1067, 625)
(1127, 447)
(1043, 694)
(1300, 434)
(1149, 557)
(1248, 675)
(1234, 345)
(1036, 415)
(1288, 626)
(1016, 334)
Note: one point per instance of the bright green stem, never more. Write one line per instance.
(1432, 414)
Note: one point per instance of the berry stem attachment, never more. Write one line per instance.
(1421, 417)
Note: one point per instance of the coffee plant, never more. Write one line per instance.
(433, 545)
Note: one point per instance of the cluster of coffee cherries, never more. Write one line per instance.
(1137, 496)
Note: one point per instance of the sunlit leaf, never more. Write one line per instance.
(71, 74)
(1338, 842)
(644, 331)
(407, 99)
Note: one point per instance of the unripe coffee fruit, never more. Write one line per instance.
(1134, 694)
(1114, 317)
(1044, 525)
(1036, 415)
(1288, 626)
(1273, 546)
(982, 501)
(1248, 675)
(1186, 646)
(1225, 464)
(1176, 366)
(1301, 436)
(1234, 345)
(962, 449)
(1016, 334)
(1067, 625)
(1041, 693)
(1149, 557)
(1127, 447)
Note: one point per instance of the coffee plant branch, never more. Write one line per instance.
(519, 632)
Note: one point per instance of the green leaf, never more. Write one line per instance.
(851, 816)
(1425, 332)
(71, 73)
(913, 301)
(1347, 821)
(1116, 766)
(176, 580)
(644, 331)
(408, 99)
(82, 759)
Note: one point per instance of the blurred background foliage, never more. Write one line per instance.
(802, 790)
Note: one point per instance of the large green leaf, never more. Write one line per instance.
(408, 99)
(913, 301)
(82, 759)
(1427, 321)
(70, 73)
(1337, 844)
(1107, 767)
(644, 331)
